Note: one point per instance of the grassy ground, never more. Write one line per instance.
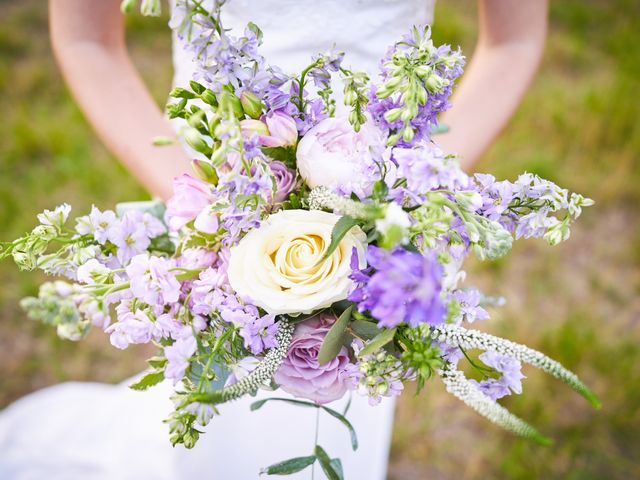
(578, 302)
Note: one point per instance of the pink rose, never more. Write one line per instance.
(302, 376)
(190, 197)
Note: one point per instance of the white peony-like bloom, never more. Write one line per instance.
(277, 266)
(333, 155)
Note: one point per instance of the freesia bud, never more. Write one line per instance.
(251, 104)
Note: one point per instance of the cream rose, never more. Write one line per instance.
(277, 266)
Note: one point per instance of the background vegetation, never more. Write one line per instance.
(578, 302)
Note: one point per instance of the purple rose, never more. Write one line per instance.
(302, 376)
(285, 180)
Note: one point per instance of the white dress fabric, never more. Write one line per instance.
(92, 431)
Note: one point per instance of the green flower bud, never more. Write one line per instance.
(127, 6)
(230, 102)
(251, 104)
(150, 8)
(393, 114)
(435, 83)
(205, 171)
(195, 141)
(209, 97)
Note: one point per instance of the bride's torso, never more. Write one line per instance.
(294, 30)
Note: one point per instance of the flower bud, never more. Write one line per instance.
(195, 141)
(393, 114)
(252, 127)
(435, 83)
(251, 104)
(126, 6)
(209, 97)
(283, 131)
(230, 102)
(205, 171)
(150, 8)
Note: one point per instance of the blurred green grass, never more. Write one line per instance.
(578, 302)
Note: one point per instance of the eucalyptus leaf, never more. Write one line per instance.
(364, 330)
(346, 423)
(334, 339)
(287, 467)
(384, 337)
(149, 380)
(336, 463)
(340, 229)
(301, 403)
(325, 463)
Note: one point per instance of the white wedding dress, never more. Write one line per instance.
(91, 431)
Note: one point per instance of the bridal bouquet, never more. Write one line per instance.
(311, 252)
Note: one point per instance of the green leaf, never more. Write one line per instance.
(333, 340)
(287, 467)
(286, 155)
(325, 463)
(364, 330)
(346, 423)
(149, 380)
(257, 405)
(301, 403)
(336, 463)
(384, 337)
(157, 362)
(340, 229)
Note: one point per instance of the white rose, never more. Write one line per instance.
(277, 266)
(332, 154)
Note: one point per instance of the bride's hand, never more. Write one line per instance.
(89, 45)
(510, 45)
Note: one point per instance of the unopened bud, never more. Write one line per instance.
(150, 8)
(251, 104)
(127, 6)
(205, 171)
(231, 103)
(195, 141)
(209, 97)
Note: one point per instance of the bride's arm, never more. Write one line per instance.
(89, 44)
(510, 45)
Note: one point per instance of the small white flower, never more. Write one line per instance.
(57, 217)
(394, 226)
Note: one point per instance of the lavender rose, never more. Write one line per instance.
(302, 376)
(285, 180)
